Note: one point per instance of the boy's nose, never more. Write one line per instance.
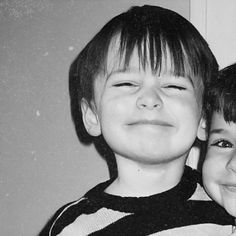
(149, 99)
(232, 163)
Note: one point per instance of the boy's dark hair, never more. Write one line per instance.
(221, 96)
(154, 32)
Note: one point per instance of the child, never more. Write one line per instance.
(139, 85)
(219, 168)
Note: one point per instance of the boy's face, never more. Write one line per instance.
(145, 117)
(219, 169)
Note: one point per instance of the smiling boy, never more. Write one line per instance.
(139, 84)
(153, 110)
(219, 168)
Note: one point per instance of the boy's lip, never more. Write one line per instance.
(151, 122)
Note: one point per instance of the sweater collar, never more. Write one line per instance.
(180, 193)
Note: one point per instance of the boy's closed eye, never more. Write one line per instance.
(132, 84)
(173, 86)
(125, 84)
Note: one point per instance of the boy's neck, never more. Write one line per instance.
(139, 180)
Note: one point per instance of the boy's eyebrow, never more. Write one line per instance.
(188, 78)
(121, 70)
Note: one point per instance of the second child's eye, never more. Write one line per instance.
(222, 144)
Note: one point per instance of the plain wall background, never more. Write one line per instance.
(216, 20)
(221, 32)
(42, 164)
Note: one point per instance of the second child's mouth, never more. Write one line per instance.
(230, 188)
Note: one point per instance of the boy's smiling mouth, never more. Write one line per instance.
(153, 122)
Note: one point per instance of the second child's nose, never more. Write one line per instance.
(149, 99)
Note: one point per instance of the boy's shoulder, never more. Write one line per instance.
(73, 211)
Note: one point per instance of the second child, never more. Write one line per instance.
(219, 168)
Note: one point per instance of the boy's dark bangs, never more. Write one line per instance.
(154, 50)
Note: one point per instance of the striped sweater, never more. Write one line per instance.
(182, 210)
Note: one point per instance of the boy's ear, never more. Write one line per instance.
(90, 119)
(201, 132)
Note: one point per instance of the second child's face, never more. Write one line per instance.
(145, 117)
(219, 169)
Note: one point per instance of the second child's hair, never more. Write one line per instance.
(221, 96)
(159, 35)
